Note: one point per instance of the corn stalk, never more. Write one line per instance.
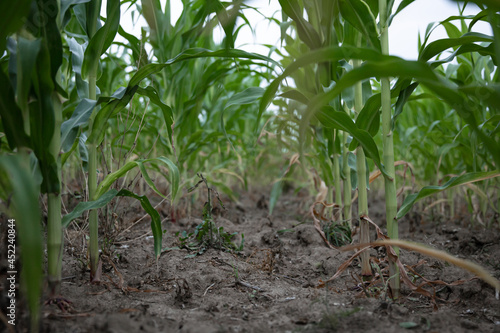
(391, 204)
(364, 236)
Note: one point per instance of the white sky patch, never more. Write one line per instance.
(403, 32)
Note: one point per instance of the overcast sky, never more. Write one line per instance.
(403, 32)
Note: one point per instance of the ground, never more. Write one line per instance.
(274, 284)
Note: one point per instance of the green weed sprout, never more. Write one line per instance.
(206, 234)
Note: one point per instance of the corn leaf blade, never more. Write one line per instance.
(455, 181)
(306, 31)
(28, 217)
(114, 176)
(102, 39)
(12, 118)
(80, 117)
(105, 198)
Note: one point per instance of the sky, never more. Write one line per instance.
(403, 32)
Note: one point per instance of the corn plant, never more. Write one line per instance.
(391, 205)
(33, 109)
(31, 117)
(213, 95)
(373, 61)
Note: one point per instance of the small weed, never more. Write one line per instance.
(108, 247)
(331, 320)
(207, 234)
(292, 229)
(338, 234)
(235, 272)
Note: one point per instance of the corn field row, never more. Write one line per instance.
(83, 100)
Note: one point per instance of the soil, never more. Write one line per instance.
(274, 284)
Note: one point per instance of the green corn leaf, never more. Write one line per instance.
(67, 154)
(419, 71)
(378, 65)
(441, 45)
(369, 117)
(404, 95)
(109, 110)
(27, 214)
(340, 120)
(90, 20)
(12, 18)
(455, 181)
(451, 30)
(491, 4)
(51, 36)
(77, 55)
(481, 16)
(80, 15)
(112, 177)
(12, 117)
(276, 191)
(326, 170)
(84, 153)
(65, 14)
(277, 188)
(83, 206)
(102, 39)
(295, 95)
(146, 177)
(174, 175)
(353, 167)
(106, 183)
(401, 6)
(248, 96)
(151, 10)
(193, 54)
(489, 94)
(495, 120)
(360, 16)
(42, 116)
(80, 117)
(27, 52)
(155, 218)
(105, 198)
(306, 31)
(196, 141)
(139, 54)
(329, 54)
(227, 21)
(168, 114)
(408, 324)
(115, 106)
(43, 126)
